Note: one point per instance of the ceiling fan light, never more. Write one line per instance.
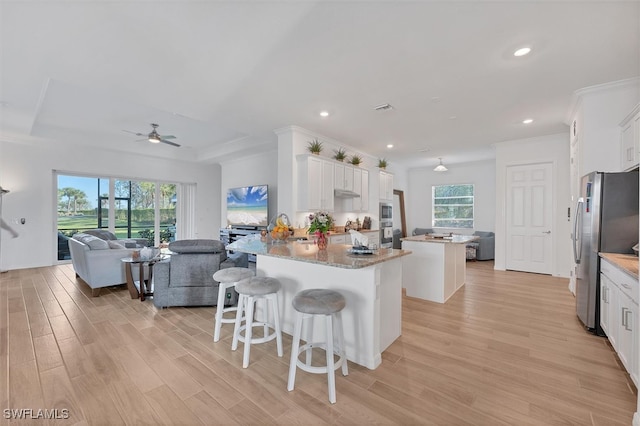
(154, 138)
(440, 167)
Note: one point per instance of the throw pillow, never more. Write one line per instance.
(95, 243)
(113, 244)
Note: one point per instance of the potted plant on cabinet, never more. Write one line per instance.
(340, 154)
(382, 164)
(315, 147)
(356, 160)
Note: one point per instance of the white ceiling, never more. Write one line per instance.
(222, 76)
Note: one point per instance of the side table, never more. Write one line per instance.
(140, 288)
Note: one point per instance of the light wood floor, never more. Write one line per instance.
(505, 350)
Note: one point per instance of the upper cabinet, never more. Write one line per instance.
(315, 184)
(343, 177)
(630, 139)
(361, 186)
(386, 186)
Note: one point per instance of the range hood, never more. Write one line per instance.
(345, 193)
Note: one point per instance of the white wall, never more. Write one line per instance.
(418, 203)
(553, 149)
(255, 170)
(27, 170)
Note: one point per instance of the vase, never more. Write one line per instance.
(322, 242)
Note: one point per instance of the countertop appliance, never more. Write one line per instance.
(606, 220)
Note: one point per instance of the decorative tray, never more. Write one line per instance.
(360, 250)
(439, 235)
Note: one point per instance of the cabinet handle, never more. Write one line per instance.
(627, 326)
(624, 317)
(605, 295)
(627, 286)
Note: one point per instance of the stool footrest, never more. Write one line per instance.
(264, 339)
(321, 369)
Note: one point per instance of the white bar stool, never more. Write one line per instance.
(227, 279)
(328, 303)
(250, 290)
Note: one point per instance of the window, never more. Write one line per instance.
(452, 206)
(140, 209)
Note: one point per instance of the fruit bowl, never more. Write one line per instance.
(280, 228)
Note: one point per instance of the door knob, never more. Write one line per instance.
(546, 232)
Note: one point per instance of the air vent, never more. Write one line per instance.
(383, 107)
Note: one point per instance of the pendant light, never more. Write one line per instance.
(440, 167)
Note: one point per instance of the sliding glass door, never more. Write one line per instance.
(128, 208)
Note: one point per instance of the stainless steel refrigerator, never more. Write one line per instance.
(606, 220)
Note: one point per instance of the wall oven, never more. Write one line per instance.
(386, 225)
(386, 212)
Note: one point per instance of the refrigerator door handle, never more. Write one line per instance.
(577, 251)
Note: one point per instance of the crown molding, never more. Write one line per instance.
(576, 97)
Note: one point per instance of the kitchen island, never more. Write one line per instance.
(436, 268)
(370, 283)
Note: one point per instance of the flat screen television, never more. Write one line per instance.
(248, 206)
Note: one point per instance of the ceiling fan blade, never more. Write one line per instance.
(134, 133)
(169, 142)
(167, 137)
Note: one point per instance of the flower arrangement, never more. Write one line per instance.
(320, 223)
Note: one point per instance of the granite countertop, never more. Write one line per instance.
(454, 239)
(626, 262)
(304, 251)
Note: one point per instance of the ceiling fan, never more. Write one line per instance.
(154, 136)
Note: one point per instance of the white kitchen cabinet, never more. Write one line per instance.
(625, 321)
(608, 307)
(630, 139)
(386, 186)
(344, 177)
(619, 314)
(364, 193)
(315, 183)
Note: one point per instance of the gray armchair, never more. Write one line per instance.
(486, 245)
(186, 279)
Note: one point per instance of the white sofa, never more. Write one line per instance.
(98, 262)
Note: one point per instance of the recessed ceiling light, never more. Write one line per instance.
(389, 145)
(324, 113)
(527, 121)
(383, 107)
(522, 51)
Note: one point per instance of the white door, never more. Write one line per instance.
(529, 218)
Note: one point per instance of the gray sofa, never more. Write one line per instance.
(422, 231)
(486, 247)
(186, 278)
